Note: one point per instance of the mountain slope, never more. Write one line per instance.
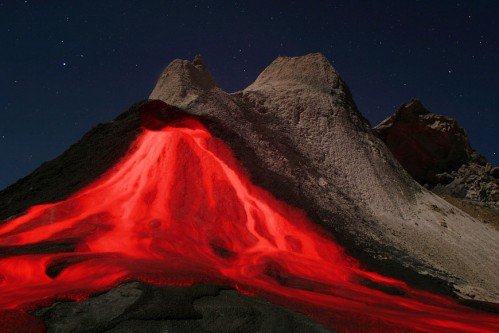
(424, 143)
(297, 130)
(156, 196)
(178, 210)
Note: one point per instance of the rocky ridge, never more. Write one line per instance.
(426, 144)
(435, 150)
(473, 182)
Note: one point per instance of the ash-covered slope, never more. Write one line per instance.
(298, 132)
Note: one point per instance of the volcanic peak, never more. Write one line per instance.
(312, 70)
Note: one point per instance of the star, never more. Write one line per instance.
(64, 64)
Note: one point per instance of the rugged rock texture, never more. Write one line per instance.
(435, 150)
(298, 132)
(137, 307)
(473, 182)
(424, 143)
(474, 188)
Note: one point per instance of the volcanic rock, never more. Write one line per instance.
(424, 143)
(184, 81)
(435, 150)
(83, 162)
(298, 132)
(138, 307)
(494, 172)
(472, 182)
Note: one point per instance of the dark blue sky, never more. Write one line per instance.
(67, 65)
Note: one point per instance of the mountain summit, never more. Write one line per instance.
(183, 81)
(313, 70)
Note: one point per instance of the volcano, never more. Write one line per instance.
(198, 209)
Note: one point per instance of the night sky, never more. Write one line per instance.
(67, 65)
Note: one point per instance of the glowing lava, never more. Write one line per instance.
(178, 209)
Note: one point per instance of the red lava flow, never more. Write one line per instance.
(177, 210)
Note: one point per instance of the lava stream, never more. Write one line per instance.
(178, 209)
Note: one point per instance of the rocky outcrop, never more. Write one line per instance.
(138, 307)
(298, 132)
(435, 150)
(474, 182)
(182, 82)
(426, 144)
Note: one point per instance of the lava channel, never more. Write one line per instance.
(178, 209)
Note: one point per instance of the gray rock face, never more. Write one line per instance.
(93, 314)
(137, 307)
(472, 182)
(299, 133)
